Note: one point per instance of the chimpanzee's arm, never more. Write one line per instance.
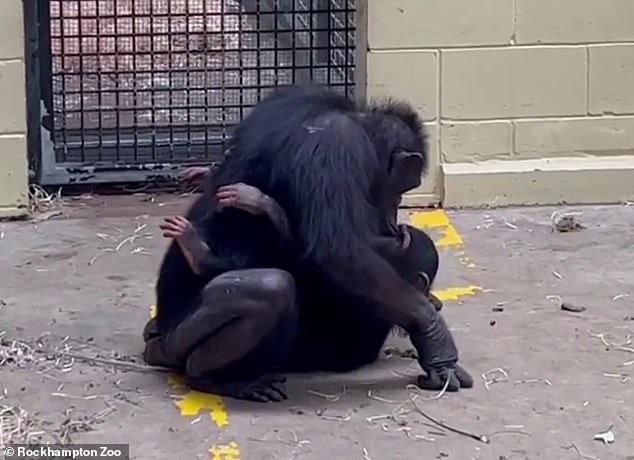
(279, 220)
(198, 254)
(254, 201)
(330, 181)
(389, 247)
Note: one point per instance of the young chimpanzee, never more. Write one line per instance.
(415, 259)
(225, 300)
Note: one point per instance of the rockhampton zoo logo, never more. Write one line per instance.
(59, 451)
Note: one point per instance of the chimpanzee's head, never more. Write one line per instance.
(400, 141)
(418, 263)
(400, 138)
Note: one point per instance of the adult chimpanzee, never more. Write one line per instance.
(333, 180)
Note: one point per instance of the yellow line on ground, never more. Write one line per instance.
(456, 293)
(192, 403)
(437, 221)
(225, 452)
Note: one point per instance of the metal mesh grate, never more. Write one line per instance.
(143, 81)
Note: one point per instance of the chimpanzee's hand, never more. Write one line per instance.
(438, 356)
(404, 235)
(435, 301)
(436, 380)
(195, 173)
(175, 227)
(241, 196)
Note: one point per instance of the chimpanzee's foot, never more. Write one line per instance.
(151, 330)
(268, 388)
(155, 354)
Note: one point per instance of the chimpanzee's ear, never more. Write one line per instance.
(406, 169)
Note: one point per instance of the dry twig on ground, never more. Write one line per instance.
(478, 437)
(17, 426)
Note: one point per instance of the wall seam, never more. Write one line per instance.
(438, 107)
(627, 116)
(499, 46)
(587, 80)
(514, 33)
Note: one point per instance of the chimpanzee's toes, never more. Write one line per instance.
(256, 391)
(274, 392)
(151, 330)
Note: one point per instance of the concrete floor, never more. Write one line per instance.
(503, 276)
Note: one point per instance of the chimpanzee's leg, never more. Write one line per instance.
(240, 333)
(336, 337)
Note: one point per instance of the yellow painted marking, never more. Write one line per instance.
(438, 220)
(456, 293)
(225, 452)
(192, 403)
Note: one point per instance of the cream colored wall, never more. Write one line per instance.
(13, 150)
(527, 101)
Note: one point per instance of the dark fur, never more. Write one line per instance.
(321, 158)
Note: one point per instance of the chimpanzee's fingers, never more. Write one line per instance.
(168, 226)
(226, 193)
(171, 220)
(227, 189)
(436, 381)
(405, 235)
(256, 396)
(435, 301)
(227, 202)
(466, 381)
(227, 198)
(195, 172)
(431, 381)
(280, 388)
(182, 224)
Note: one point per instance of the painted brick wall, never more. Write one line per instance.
(13, 150)
(509, 79)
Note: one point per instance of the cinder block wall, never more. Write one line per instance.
(13, 150)
(528, 101)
